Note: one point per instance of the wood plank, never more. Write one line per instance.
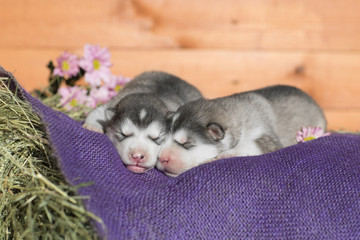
(241, 24)
(67, 24)
(343, 119)
(331, 78)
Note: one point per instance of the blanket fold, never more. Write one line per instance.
(307, 191)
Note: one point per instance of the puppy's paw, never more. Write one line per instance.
(92, 128)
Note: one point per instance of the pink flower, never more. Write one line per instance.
(100, 95)
(113, 92)
(71, 97)
(96, 63)
(67, 65)
(91, 102)
(117, 82)
(310, 133)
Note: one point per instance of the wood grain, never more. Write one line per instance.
(221, 47)
(343, 119)
(330, 78)
(241, 24)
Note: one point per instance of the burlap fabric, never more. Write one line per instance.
(307, 191)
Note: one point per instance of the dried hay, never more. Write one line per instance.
(36, 202)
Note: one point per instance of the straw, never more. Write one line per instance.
(35, 200)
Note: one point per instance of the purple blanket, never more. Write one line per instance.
(307, 191)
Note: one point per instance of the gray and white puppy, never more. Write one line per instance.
(135, 121)
(243, 124)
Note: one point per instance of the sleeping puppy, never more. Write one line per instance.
(134, 120)
(243, 124)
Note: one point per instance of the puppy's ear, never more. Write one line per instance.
(215, 131)
(109, 113)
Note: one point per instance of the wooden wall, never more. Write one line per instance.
(222, 47)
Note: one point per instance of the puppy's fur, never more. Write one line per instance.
(249, 123)
(134, 120)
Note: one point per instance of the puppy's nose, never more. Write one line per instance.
(138, 157)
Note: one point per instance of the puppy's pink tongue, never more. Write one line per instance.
(136, 169)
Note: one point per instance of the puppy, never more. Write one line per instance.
(134, 120)
(243, 124)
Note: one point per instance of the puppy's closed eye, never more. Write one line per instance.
(121, 136)
(158, 140)
(186, 145)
